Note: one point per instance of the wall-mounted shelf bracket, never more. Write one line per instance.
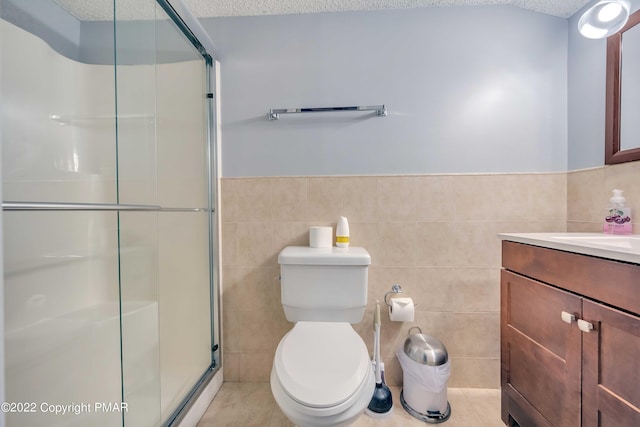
(274, 113)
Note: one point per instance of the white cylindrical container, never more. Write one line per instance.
(342, 233)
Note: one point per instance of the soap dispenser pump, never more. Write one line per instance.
(618, 218)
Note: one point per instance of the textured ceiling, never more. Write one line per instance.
(205, 8)
(92, 10)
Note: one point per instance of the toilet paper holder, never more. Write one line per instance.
(395, 289)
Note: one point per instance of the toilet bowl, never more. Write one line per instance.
(322, 375)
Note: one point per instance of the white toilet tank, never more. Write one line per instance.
(324, 284)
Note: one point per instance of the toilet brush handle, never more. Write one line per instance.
(376, 350)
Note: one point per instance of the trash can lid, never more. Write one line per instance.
(426, 350)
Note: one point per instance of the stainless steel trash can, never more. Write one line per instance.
(426, 370)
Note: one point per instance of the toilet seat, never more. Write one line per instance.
(322, 364)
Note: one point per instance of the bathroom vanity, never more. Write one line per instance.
(570, 330)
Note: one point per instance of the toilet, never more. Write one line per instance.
(321, 374)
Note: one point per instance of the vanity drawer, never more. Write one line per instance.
(611, 282)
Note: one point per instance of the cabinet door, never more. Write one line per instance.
(541, 359)
(611, 368)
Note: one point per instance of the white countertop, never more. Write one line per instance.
(611, 246)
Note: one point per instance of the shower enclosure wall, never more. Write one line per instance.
(109, 187)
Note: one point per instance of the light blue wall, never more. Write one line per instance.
(47, 20)
(587, 89)
(587, 70)
(468, 89)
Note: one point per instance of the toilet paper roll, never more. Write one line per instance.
(321, 237)
(401, 310)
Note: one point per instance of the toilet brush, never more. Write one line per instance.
(381, 402)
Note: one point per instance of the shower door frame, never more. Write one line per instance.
(212, 185)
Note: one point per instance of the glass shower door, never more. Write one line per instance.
(61, 311)
(107, 213)
(175, 177)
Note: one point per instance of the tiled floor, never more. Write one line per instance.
(245, 404)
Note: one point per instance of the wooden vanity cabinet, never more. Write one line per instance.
(570, 339)
(611, 367)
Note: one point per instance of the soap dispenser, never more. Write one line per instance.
(618, 218)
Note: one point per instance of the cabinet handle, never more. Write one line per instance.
(567, 317)
(585, 326)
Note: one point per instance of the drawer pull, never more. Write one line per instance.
(585, 326)
(567, 317)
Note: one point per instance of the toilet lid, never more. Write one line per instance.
(321, 364)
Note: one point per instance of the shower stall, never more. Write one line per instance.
(109, 221)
